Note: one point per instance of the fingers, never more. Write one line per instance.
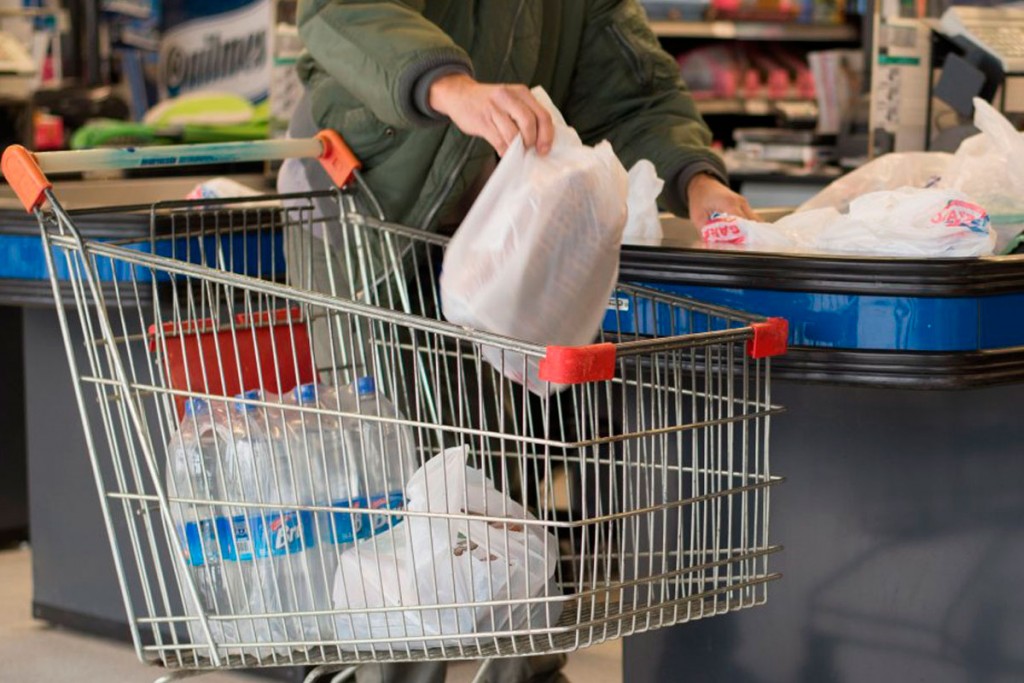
(541, 120)
(515, 105)
(504, 131)
(745, 211)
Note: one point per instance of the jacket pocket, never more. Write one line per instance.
(631, 53)
(334, 108)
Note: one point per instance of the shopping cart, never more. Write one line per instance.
(629, 495)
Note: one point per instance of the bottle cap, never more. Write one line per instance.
(196, 406)
(305, 393)
(366, 386)
(251, 395)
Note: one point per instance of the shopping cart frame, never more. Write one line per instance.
(763, 338)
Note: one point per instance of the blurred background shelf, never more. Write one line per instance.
(759, 106)
(756, 30)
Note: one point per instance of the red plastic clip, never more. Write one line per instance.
(771, 338)
(338, 159)
(24, 176)
(578, 364)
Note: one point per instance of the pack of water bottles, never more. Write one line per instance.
(285, 507)
(267, 491)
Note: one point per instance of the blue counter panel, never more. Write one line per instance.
(22, 257)
(895, 323)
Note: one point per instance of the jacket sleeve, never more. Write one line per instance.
(627, 90)
(385, 53)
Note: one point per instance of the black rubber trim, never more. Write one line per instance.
(39, 293)
(964, 277)
(902, 370)
(95, 226)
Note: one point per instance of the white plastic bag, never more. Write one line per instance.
(989, 168)
(229, 188)
(642, 222)
(538, 254)
(438, 561)
(888, 172)
(909, 222)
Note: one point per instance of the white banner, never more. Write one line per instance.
(227, 52)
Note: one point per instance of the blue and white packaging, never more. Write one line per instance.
(216, 45)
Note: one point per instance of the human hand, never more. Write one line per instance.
(706, 195)
(496, 113)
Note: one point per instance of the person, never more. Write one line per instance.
(425, 92)
(429, 93)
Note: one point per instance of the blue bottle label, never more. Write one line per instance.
(241, 538)
(348, 527)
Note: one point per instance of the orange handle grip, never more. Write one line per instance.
(337, 158)
(22, 172)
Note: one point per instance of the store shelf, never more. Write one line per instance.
(755, 30)
(750, 107)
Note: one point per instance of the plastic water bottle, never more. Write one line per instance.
(200, 458)
(317, 446)
(268, 543)
(382, 454)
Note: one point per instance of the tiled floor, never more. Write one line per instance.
(32, 651)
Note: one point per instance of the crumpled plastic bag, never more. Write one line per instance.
(643, 223)
(538, 254)
(441, 561)
(229, 188)
(888, 172)
(988, 168)
(909, 222)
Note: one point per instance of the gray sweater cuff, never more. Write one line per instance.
(682, 182)
(421, 89)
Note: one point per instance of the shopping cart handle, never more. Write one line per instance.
(26, 171)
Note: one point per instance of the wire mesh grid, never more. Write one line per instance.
(592, 511)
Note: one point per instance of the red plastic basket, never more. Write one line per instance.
(268, 350)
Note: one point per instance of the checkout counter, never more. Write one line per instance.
(902, 517)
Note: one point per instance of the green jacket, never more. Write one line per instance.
(369, 65)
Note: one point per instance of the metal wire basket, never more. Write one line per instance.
(631, 494)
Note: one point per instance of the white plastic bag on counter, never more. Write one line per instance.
(910, 223)
(888, 172)
(643, 223)
(538, 254)
(989, 168)
(439, 561)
